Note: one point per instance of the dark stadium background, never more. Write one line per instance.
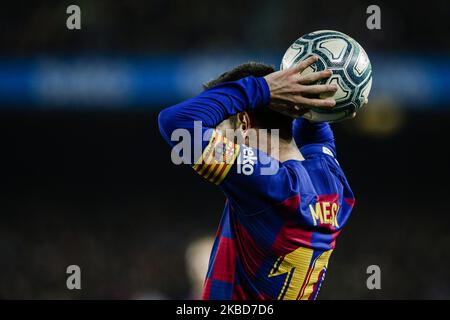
(87, 180)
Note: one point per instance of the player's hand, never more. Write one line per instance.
(293, 94)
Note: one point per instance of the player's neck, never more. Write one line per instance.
(289, 151)
(283, 150)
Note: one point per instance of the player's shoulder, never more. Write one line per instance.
(319, 173)
(315, 150)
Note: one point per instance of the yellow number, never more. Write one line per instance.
(301, 273)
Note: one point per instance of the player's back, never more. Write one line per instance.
(281, 252)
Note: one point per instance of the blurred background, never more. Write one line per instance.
(87, 180)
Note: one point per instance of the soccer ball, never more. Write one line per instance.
(352, 72)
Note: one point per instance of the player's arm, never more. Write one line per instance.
(313, 136)
(213, 106)
(220, 102)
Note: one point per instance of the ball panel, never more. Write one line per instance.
(342, 93)
(366, 90)
(362, 63)
(326, 117)
(334, 48)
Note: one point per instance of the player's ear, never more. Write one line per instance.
(244, 120)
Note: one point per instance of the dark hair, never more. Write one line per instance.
(262, 117)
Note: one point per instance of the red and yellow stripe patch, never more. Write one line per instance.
(217, 158)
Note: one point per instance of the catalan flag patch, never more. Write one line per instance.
(217, 158)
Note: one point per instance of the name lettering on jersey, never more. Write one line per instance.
(246, 162)
(325, 213)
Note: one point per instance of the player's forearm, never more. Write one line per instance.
(306, 132)
(215, 105)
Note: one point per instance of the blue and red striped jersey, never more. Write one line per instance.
(281, 219)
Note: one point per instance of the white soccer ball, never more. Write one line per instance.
(352, 71)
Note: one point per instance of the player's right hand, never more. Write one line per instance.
(293, 93)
